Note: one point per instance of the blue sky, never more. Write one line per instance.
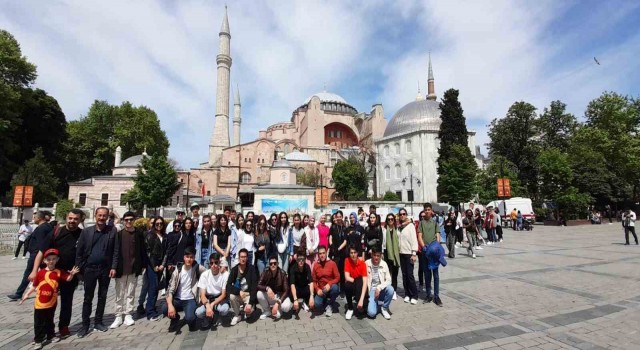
(162, 54)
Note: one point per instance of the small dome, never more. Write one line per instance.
(282, 163)
(423, 115)
(327, 97)
(299, 157)
(132, 162)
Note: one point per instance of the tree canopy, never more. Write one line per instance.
(350, 178)
(37, 173)
(154, 184)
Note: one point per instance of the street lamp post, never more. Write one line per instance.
(186, 206)
(411, 177)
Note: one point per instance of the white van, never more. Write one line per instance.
(524, 205)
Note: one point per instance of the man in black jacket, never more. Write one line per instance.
(242, 287)
(97, 256)
(38, 242)
(132, 259)
(64, 239)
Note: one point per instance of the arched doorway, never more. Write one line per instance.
(339, 135)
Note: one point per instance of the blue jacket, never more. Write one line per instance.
(435, 255)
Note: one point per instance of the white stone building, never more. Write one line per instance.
(408, 152)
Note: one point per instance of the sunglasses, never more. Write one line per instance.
(158, 224)
(300, 259)
(273, 263)
(403, 214)
(212, 262)
(128, 220)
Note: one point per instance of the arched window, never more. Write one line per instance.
(300, 171)
(407, 146)
(397, 147)
(409, 168)
(286, 148)
(386, 151)
(245, 178)
(398, 171)
(387, 173)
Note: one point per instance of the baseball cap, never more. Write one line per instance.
(51, 251)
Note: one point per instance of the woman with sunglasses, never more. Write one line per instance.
(156, 244)
(221, 238)
(272, 225)
(408, 244)
(262, 243)
(391, 248)
(204, 241)
(282, 240)
(246, 240)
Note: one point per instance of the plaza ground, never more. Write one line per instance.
(552, 288)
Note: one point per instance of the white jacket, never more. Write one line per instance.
(408, 239)
(383, 273)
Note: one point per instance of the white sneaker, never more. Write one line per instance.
(457, 244)
(305, 307)
(277, 315)
(385, 313)
(479, 247)
(395, 296)
(265, 315)
(128, 321)
(163, 292)
(414, 301)
(474, 255)
(348, 315)
(500, 240)
(236, 319)
(328, 311)
(14, 258)
(23, 258)
(116, 323)
(407, 299)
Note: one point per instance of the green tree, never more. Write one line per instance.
(487, 180)
(308, 178)
(457, 177)
(155, 182)
(16, 73)
(587, 154)
(391, 197)
(513, 138)
(555, 172)
(555, 127)
(94, 138)
(574, 204)
(37, 173)
(63, 207)
(453, 129)
(350, 178)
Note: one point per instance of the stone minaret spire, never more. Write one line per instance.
(431, 90)
(419, 97)
(220, 135)
(236, 118)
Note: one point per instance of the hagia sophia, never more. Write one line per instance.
(322, 130)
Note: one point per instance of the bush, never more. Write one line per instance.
(141, 224)
(63, 207)
(541, 213)
(391, 197)
(574, 204)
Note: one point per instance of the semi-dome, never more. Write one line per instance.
(132, 162)
(422, 115)
(299, 157)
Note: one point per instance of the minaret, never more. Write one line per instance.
(118, 159)
(431, 90)
(220, 135)
(419, 97)
(236, 118)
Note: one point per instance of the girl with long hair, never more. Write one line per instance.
(282, 240)
(372, 235)
(313, 240)
(297, 238)
(391, 247)
(221, 238)
(262, 243)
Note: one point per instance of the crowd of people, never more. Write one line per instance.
(211, 266)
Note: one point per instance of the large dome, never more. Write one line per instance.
(327, 97)
(423, 115)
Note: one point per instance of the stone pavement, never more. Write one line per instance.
(552, 288)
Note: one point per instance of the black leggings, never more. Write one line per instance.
(499, 232)
(394, 269)
(24, 251)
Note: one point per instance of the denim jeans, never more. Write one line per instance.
(188, 306)
(427, 279)
(221, 309)
(25, 276)
(386, 295)
(261, 264)
(95, 276)
(328, 298)
(144, 290)
(152, 292)
(283, 261)
(66, 302)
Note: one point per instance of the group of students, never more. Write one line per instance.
(211, 265)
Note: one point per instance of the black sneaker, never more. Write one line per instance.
(438, 302)
(140, 310)
(100, 327)
(205, 323)
(174, 324)
(83, 332)
(13, 297)
(428, 299)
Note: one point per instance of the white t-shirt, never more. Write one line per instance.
(214, 284)
(632, 219)
(246, 240)
(24, 231)
(185, 285)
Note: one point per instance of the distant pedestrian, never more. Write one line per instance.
(24, 231)
(629, 224)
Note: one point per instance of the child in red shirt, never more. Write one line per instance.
(46, 286)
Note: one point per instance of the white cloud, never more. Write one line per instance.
(162, 55)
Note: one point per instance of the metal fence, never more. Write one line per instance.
(8, 237)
